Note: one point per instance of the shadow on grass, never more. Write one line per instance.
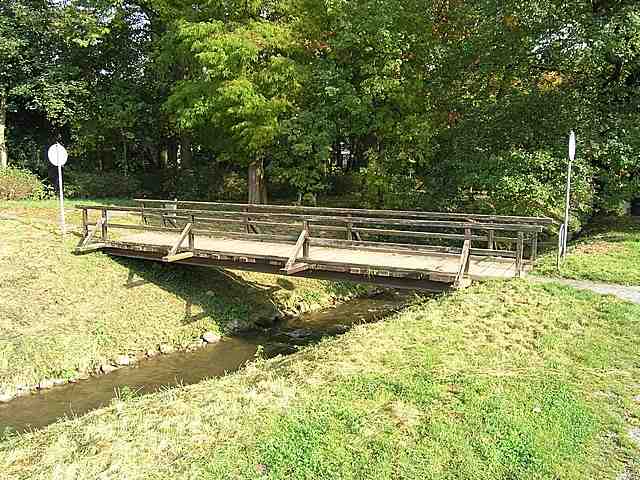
(234, 302)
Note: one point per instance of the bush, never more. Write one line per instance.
(20, 184)
(104, 184)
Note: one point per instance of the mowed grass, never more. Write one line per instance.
(502, 381)
(608, 251)
(62, 314)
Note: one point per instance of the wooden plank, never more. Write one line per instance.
(144, 228)
(299, 246)
(414, 234)
(534, 247)
(177, 257)
(363, 220)
(545, 221)
(94, 247)
(85, 222)
(297, 268)
(181, 239)
(462, 280)
(104, 225)
(519, 254)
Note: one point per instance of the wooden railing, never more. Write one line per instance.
(431, 233)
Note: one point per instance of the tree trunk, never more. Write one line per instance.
(3, 123)
(164, 157)
(257, 184)
(186, 154)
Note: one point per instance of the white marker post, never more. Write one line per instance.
(58, 156)
(572, 157)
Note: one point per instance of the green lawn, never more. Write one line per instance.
(608, 251)
(62, 314)
(501, 381)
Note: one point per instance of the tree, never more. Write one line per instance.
(243, 88)
(39, 41)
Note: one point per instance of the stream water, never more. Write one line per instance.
(185, 368)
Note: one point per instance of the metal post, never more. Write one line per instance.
(566, 212)
(572, 154)
(62, 223)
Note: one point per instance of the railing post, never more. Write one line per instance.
(246, 220)
(467, 237)
(192, 240)
(305, 246)
(492, 240)
(104, 225)
(142, 217)
(519, 253)
(534, 247)
(85, 222)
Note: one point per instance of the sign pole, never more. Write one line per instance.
(572, 154)
(63, 227)
(58, 156)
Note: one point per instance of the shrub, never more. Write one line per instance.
(104, 184)
(20, 184)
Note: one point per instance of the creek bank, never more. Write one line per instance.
(210, 359)
(260, 323)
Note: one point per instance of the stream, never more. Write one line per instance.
(185, 368)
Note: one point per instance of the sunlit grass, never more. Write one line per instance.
(61, 314)
(502, 381)
(608, 252)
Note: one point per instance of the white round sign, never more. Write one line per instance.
(572, 146)
(58, 155)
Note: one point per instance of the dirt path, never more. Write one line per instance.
(631, 294)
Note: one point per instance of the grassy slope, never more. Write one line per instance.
(609, 251)
(61, 313)
(502, 381)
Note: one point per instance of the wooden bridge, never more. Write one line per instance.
(427, 250)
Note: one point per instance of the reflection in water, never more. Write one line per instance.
(44, 408)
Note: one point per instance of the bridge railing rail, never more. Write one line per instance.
(380, 231)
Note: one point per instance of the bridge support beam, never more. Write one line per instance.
(302, 245)
(173, 255)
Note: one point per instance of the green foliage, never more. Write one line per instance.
(20, 184)
(437, 105)
(102, 185)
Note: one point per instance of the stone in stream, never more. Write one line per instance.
(210, 337)
(6, 397)
(59, 381)
(123, 360)
(165, 348)
(45, 384)
(107, 368)
(22, 390)
(636, 399)
(634, 433)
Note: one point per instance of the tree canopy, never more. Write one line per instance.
(436, 104)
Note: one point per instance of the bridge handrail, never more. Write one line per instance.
(256, 208)
(246, 216)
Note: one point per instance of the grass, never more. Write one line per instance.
(608, 251)
(62, 314)
(501, 381)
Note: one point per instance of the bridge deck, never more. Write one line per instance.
(481, 268)
(418, 249)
